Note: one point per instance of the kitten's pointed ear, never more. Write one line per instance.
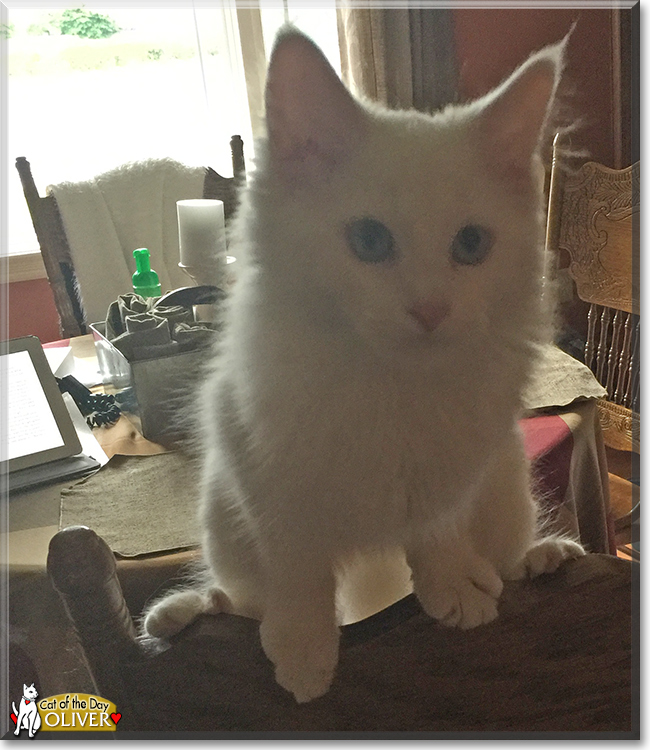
(313, 122)
(515, 113)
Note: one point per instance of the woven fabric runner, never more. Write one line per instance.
(139, 504)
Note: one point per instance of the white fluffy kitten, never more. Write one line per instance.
(366, 392)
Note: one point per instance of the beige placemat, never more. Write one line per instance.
(138, 504)
(558, 379)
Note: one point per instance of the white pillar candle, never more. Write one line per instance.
(202, 234)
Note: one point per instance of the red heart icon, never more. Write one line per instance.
(14, 718)
(116, 717)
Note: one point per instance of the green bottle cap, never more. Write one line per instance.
(145, 281)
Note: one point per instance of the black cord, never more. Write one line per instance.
(99, 409)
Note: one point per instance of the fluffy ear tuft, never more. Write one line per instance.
(513, 115)
(313, 122)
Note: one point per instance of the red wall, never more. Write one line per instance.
(32, 311)
(490, 43)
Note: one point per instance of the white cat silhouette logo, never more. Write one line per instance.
(27, 716)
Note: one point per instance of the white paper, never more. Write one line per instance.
(62, 362)
(60, 359)
(86, 371)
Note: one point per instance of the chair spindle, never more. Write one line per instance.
(602, 344)
(591, 336)
(613, 352)
(632, 393)
(623, 362)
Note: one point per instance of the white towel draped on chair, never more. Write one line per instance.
(108, 217)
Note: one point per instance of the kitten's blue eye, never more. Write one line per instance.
(370, 240)
(471, 245)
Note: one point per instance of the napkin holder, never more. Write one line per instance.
(154, 391)
(150, 391)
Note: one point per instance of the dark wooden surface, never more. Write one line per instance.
(558, 658)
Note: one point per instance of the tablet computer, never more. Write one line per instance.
(41, 441)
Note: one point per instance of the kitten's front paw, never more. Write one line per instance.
(170, 615)
(464, 601)
(304, 663)
(546, 555)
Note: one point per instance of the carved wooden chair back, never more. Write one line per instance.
(594, 217)
(55, 249)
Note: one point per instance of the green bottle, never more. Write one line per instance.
(145, 281)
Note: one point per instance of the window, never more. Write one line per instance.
(168, 82)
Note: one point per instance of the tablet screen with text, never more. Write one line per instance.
(31, 427)
(39, 427)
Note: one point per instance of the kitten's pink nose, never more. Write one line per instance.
(430, 314)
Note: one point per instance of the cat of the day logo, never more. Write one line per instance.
(68, 712)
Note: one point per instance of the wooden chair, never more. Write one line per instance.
(558, 658)
(593, 217)
(54, 244)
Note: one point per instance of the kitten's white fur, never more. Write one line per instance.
(333, 423)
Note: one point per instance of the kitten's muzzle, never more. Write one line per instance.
(429, 314)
